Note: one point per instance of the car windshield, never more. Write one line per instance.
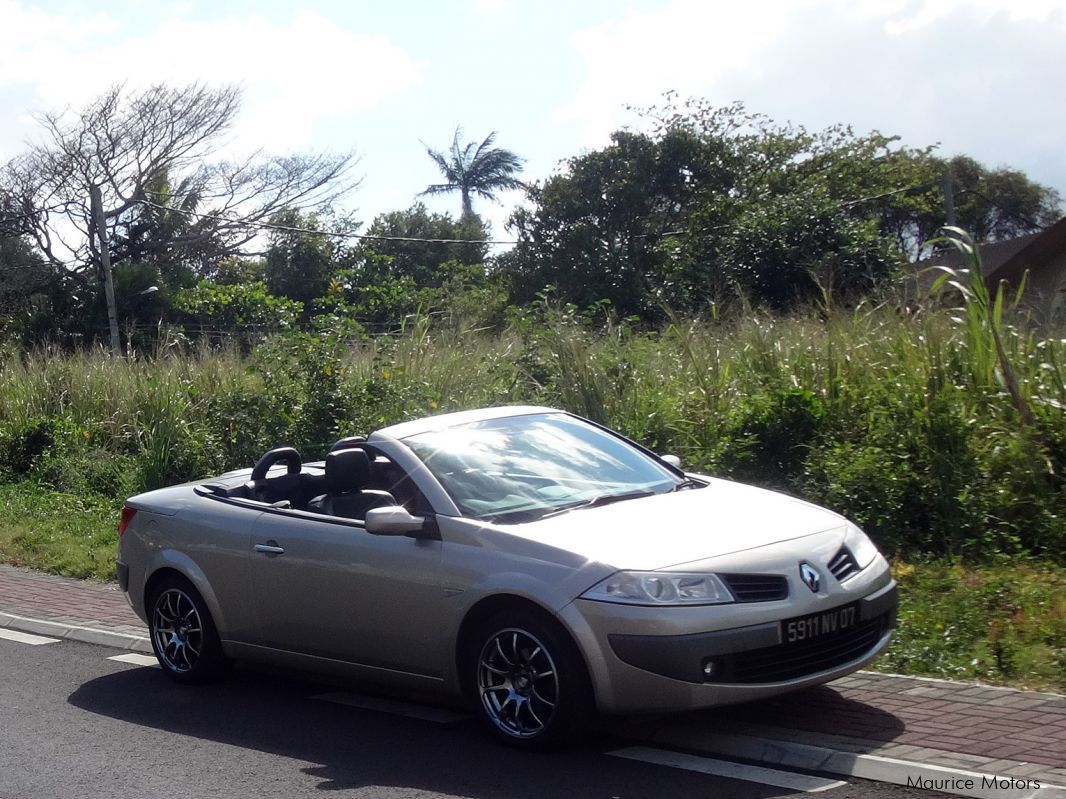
(520, 468)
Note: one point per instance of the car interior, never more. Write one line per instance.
(354, 478)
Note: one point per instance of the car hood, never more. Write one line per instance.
(668, 530)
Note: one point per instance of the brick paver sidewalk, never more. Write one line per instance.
(961, 725)
(45, 596)
(958, 725)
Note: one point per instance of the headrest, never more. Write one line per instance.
(347, 470)
(347, 443)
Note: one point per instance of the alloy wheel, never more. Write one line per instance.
(177, 631)
(518, 683)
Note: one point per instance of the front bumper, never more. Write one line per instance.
(635, 669)
(756, 655)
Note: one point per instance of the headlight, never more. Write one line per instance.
(660, 588)
(862, 548)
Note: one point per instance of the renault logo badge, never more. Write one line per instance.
(810, 576)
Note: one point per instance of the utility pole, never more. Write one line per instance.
(97, 202)
(947, 184)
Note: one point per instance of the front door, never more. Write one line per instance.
(325, 586)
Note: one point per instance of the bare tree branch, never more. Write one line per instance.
(159, 141)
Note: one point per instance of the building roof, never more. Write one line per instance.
(1007, 259)
(1042, 247)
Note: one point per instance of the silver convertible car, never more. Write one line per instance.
(540, 564)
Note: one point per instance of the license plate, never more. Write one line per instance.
(818, 625)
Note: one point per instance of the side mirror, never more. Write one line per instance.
(673, 460)
(392, 520)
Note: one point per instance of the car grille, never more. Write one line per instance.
(756, 587)
(843, 565)
(792, 661)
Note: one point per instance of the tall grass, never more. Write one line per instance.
(901, 420)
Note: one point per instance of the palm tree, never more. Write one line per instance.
(475, 169)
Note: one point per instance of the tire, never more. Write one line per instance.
(183, 634)
(529, 682)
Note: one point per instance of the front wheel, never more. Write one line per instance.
(530, 681)
(183, 634)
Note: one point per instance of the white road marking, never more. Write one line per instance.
(437, 715)
(26, 638)
(135, 659)
(724, 768)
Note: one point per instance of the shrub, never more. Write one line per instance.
(772, 435)
(23, 444)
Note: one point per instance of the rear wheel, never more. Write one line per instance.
(184, 637)
(530, 681)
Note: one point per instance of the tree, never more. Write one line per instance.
(163, 199)
(31, 290)
(715, 199)
(146, 235)
(406, 261)
(427, 247)
(595, 230)
(239, 308)
(471, 169)
(300, 264)
(992, 204)
(711, 200)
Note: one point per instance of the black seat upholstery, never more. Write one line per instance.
(348, 472)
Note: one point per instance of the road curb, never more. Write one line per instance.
(955, 683)
(927, 776)
(75, 632)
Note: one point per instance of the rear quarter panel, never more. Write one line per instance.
(208, 541)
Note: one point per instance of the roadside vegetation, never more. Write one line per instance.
(1000, 622)
(720, 287)
(899, 421)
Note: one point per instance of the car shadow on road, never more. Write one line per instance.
(353, 748)
(822, 709)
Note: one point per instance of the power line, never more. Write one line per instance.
(268, 226)
(334, 234)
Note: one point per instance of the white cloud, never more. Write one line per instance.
(973, 74)
(492, 7)
(294, 75)
(686, 46)
(497, 213)
(932, 11)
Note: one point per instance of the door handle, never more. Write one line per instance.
(269, 549)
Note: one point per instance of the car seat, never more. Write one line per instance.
(348, 472)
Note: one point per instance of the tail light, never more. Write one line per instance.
(127, 517)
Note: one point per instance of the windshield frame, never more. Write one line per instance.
(672, 478)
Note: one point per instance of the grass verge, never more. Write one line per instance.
(58, 533)
(1002, 623)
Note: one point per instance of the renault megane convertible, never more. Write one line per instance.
(542, 565)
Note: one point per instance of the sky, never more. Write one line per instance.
(553, 78)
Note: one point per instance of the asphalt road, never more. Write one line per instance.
(74, 723)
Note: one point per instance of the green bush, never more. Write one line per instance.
(901, 422)
(895, 421)
(89, 471)
(22, 444)
(772, 437)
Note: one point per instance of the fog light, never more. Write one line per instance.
(708, 668)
